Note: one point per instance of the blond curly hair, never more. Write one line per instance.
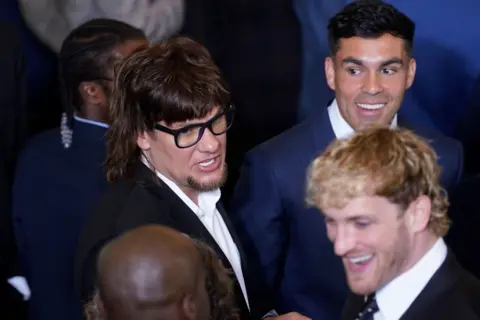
(391, 163)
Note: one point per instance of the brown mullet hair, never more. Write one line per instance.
(173, 81)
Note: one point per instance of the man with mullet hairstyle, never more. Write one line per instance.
(166, 161)
(370, 67)
(386, 215)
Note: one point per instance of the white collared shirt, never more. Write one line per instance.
(95, 123)
(340, 126)
(395, 297)
(208, 214)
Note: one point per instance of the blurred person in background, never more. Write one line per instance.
(60, 175)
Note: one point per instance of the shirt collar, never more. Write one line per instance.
(207, 201)
(340, 126)
(395, 298)
(95, 123)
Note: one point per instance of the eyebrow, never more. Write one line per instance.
(359, 62)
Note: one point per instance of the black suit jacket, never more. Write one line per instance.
(451, 294)
(463, 237)
(468, 132)
(129, 204)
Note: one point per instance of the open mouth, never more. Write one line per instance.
(359, 264)
(207, 163)
(367, 106)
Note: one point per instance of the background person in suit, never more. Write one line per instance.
(386, 214)
(166, 159)
(369, 68)
(59, 174)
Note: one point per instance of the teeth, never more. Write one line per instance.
(360, 259)
(371, 106)
(206, 163)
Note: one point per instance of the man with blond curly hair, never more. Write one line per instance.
(386, 215)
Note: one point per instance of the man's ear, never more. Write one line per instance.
(190, 307)
(419, 212)
(412, 69)
(91, 93)
(144, 141)
(330, 72)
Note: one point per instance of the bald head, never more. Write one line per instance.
(152, 272)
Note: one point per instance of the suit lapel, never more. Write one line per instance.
(233, 233)
(322, 129)
(426, 304)
(184, 218)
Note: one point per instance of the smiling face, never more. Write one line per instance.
(370, 77)
(374, 239)
(198, 168)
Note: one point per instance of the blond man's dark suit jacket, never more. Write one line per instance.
(451, 294)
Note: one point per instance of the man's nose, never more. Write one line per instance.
(372, 83)
(209, 142)
(344, 241)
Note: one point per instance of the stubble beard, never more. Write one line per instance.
(209, 186)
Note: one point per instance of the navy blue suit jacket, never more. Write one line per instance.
(54, 191)
(285, 242)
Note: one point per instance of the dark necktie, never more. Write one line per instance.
(369, 309)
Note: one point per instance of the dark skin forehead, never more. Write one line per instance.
(151, 266)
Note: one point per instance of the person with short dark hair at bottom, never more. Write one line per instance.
(174, 276)
(386, 215)
(59, 174)
(370, 67)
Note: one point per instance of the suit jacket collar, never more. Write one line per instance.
(90, 133)
(426, 303)
(184, 217)
(322, 128)
(186, 220)
(441, 282)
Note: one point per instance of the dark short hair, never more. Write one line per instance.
(369, 19)
(173, 81)
(86, 55)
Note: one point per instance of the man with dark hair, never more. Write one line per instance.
(60, 174)
(166, 159)
(174, 276)
(369, 68)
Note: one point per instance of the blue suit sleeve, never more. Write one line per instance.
(257, 213)
(460, 162)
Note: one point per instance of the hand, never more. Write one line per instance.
(289, 316)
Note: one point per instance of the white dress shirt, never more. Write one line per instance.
(395, 298)
(207, 212)
(340, 126)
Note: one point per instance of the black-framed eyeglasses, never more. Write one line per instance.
(190, 135)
